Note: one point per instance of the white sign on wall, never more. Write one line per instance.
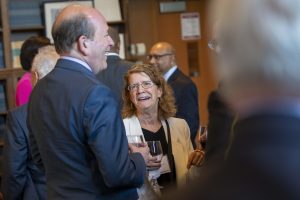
(190, 26)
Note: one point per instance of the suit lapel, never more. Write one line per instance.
(174, 76)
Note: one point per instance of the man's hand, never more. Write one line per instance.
(143, 149)
(196, 158)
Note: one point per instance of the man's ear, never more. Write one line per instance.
(82, 44)
(34, 78)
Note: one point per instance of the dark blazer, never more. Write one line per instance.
(113, 75)
(263, 161)
(220, 120)
(186, 97)
(22, 179)
(78, 135)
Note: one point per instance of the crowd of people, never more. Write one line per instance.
(68, 137)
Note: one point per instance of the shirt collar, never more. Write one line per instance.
(112, 54)
(170, 72)
(78, 61)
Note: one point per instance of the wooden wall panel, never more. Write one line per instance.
(142, 24)
(149, 26)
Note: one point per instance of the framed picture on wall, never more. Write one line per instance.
(51, 10)
(110, 9)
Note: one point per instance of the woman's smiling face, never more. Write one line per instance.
(144, 94)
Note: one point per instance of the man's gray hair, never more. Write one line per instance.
(67, 32)
(45, 60)
(260, 42)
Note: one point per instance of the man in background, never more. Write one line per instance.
(162, 56)
(76, 129)
(259, 68)
(113, 75)
(220, 119)
(22, 179)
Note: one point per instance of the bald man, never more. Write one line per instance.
(75, 125)
(113, 75)
(162, 56)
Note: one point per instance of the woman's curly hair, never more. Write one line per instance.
(166, 103)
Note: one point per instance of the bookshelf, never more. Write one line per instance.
(21, 19)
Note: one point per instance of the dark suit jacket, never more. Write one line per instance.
(79, 134)
(22, 179)
(113, 75)
(219, 128)
(263, 161)
(186, 97)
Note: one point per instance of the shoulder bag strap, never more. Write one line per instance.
(170, 152)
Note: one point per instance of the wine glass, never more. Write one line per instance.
(203, 136)
(155, 151)
(136, 140)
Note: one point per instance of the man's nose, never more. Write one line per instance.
(152, 61)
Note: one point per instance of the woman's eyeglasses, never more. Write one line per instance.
(144, 84)
(213, 45)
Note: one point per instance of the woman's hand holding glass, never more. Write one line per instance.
(155, 149)
(154, 162)
(156, 153)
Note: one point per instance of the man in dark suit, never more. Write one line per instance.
(162, 55)
(259, 68)
(76, 129)
(22, 179)
(113, 75)
(220, 121)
